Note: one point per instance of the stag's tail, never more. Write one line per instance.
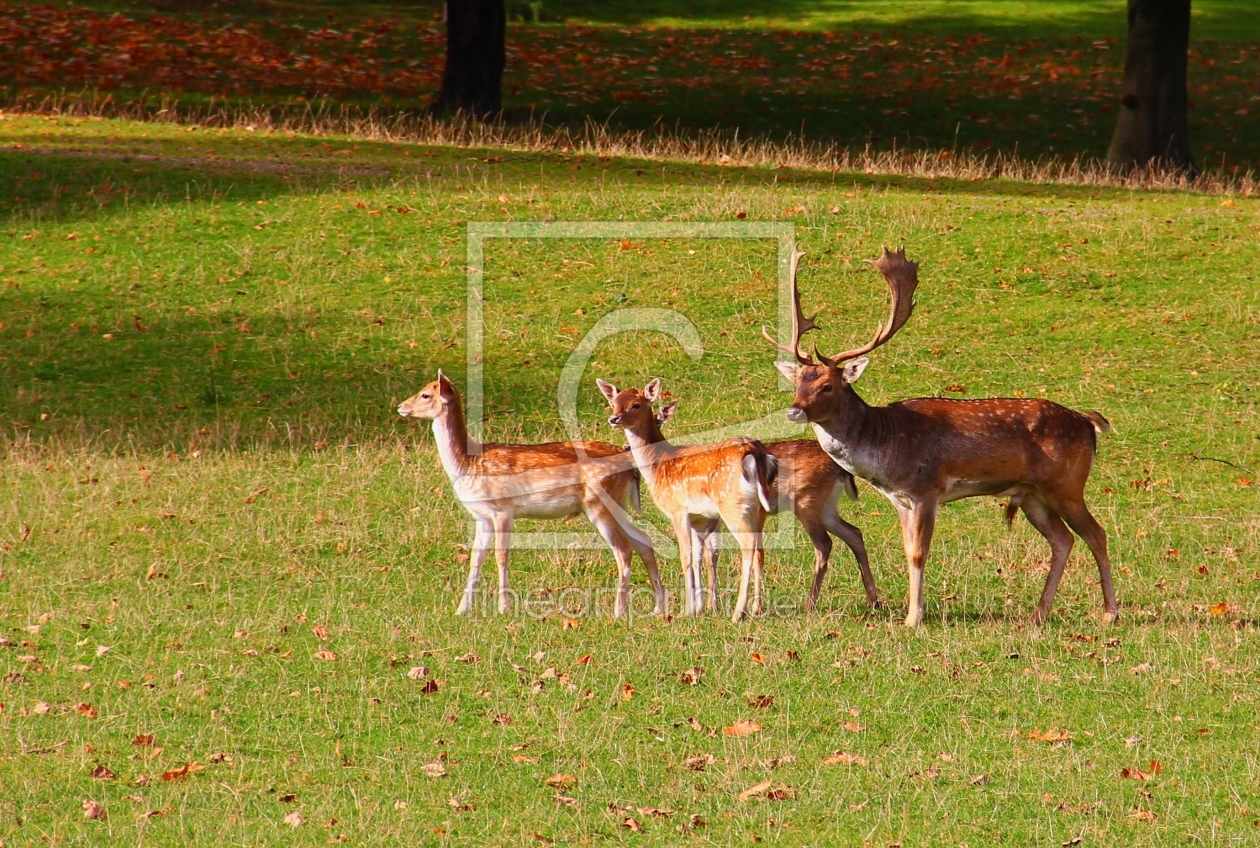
(1101, 425)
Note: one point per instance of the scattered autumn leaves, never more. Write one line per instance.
(710, 76)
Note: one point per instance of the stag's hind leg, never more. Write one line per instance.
(1050, 525)
(1078, 517)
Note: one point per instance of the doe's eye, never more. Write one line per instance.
(634, 406)
(827, 388)
(425, 397)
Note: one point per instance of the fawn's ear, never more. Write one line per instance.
(608, 390)
(666, 412)
(854, 368)
(652, 391)
(446, 389)
(787, 369)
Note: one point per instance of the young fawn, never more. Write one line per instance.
(810, 485)
(499, 483)
(692, 485)
(925, 452)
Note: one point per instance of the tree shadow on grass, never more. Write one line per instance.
(135, 342)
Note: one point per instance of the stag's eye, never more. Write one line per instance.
(826, 388)
(425, 397)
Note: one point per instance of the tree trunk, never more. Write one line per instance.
(473, 80)
(1151, 130)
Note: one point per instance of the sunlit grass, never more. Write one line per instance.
(198, 495)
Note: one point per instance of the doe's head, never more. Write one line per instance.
(432, 401)
(632, 409)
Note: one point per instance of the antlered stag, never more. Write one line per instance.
(925, 452)
(500, 483)
(730, 480)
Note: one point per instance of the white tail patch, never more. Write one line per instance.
(760, 480)
(1101, 425)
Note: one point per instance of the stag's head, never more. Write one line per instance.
(822, 382)
(432, 401)
(632, 409)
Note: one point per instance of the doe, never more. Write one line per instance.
(499, 483)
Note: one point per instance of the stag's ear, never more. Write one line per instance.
(854, 368)
(608, 390)
(652, 391)
(787, 369)
(666, 412)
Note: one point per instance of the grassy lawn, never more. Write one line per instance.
(1033, 79)
(203, 485)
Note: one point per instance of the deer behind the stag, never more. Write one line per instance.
(810, 484)
(925, 452)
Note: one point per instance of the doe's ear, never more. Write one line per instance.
(445, 387)
(787, 369)
(854, 368)
(652, 391)
(666, 412)
(608, 390)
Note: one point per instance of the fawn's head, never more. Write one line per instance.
(632, 409)
(432, 401)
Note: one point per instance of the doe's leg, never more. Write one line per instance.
(482, 540)
(852, 538)
(502, 546)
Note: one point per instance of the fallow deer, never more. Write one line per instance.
(730, 480)
(499, 483)
(925, 452)
(809, 484)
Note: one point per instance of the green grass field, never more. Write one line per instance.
(204, 333)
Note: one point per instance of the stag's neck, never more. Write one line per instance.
(457, 453)
(858, 436)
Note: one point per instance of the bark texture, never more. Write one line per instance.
(472, 82)
(1151, 130)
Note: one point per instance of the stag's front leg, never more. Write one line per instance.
(917, 523)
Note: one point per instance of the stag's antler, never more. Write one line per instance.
(902, 276)
(800, 324)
